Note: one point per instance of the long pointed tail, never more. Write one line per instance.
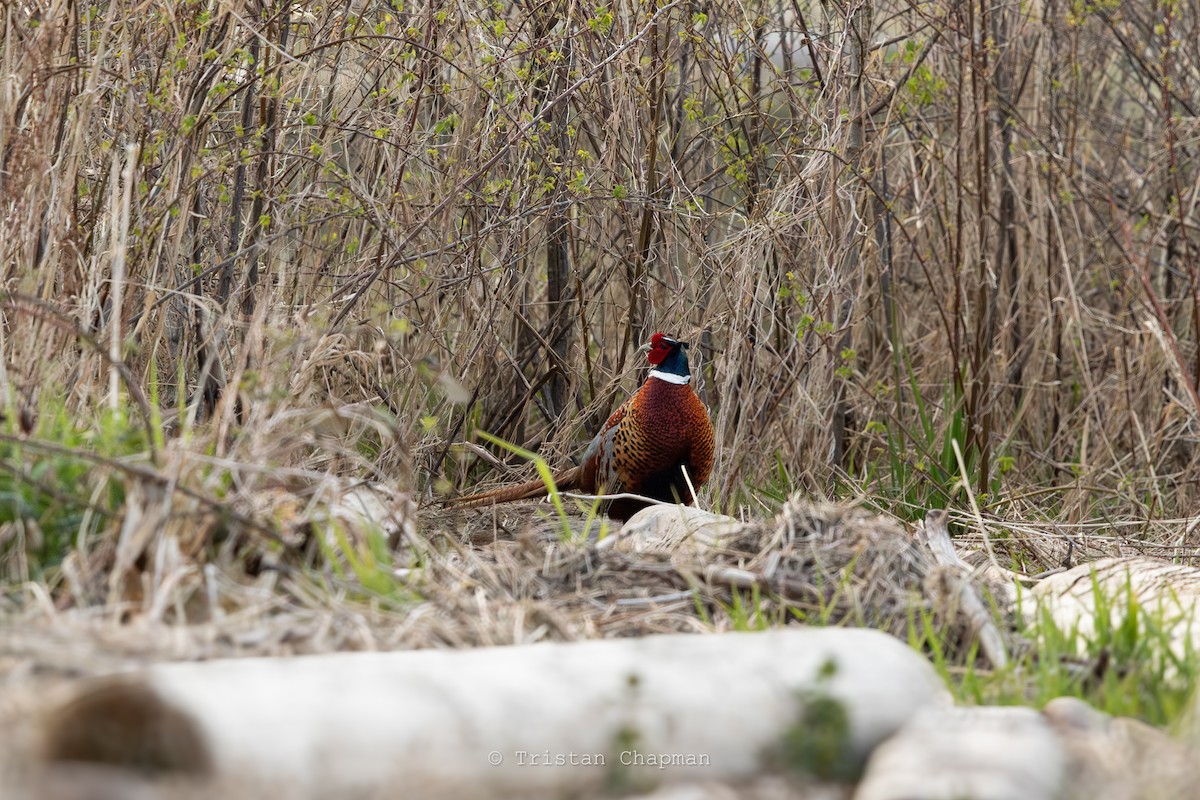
(523, 491)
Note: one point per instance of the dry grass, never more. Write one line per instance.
(497, 580)
(479, 586)
(254, 255)
(465, 216)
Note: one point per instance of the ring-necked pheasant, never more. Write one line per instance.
(642, 449)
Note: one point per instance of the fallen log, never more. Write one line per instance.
(549, 719)
(997, 753)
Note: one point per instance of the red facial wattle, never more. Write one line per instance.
(659, 349)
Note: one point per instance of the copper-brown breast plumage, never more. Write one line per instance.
(646, 442)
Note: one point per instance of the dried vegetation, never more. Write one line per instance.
(263, 260)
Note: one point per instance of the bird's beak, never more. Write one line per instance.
(644, 348)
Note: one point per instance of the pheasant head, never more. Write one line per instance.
(669, 360)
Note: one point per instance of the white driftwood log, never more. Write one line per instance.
(502, 721)
(978, 617)
(1116, 758)
(1168, 592)
(985, 753)
(670, 528)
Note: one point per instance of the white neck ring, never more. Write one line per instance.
(670, 377)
